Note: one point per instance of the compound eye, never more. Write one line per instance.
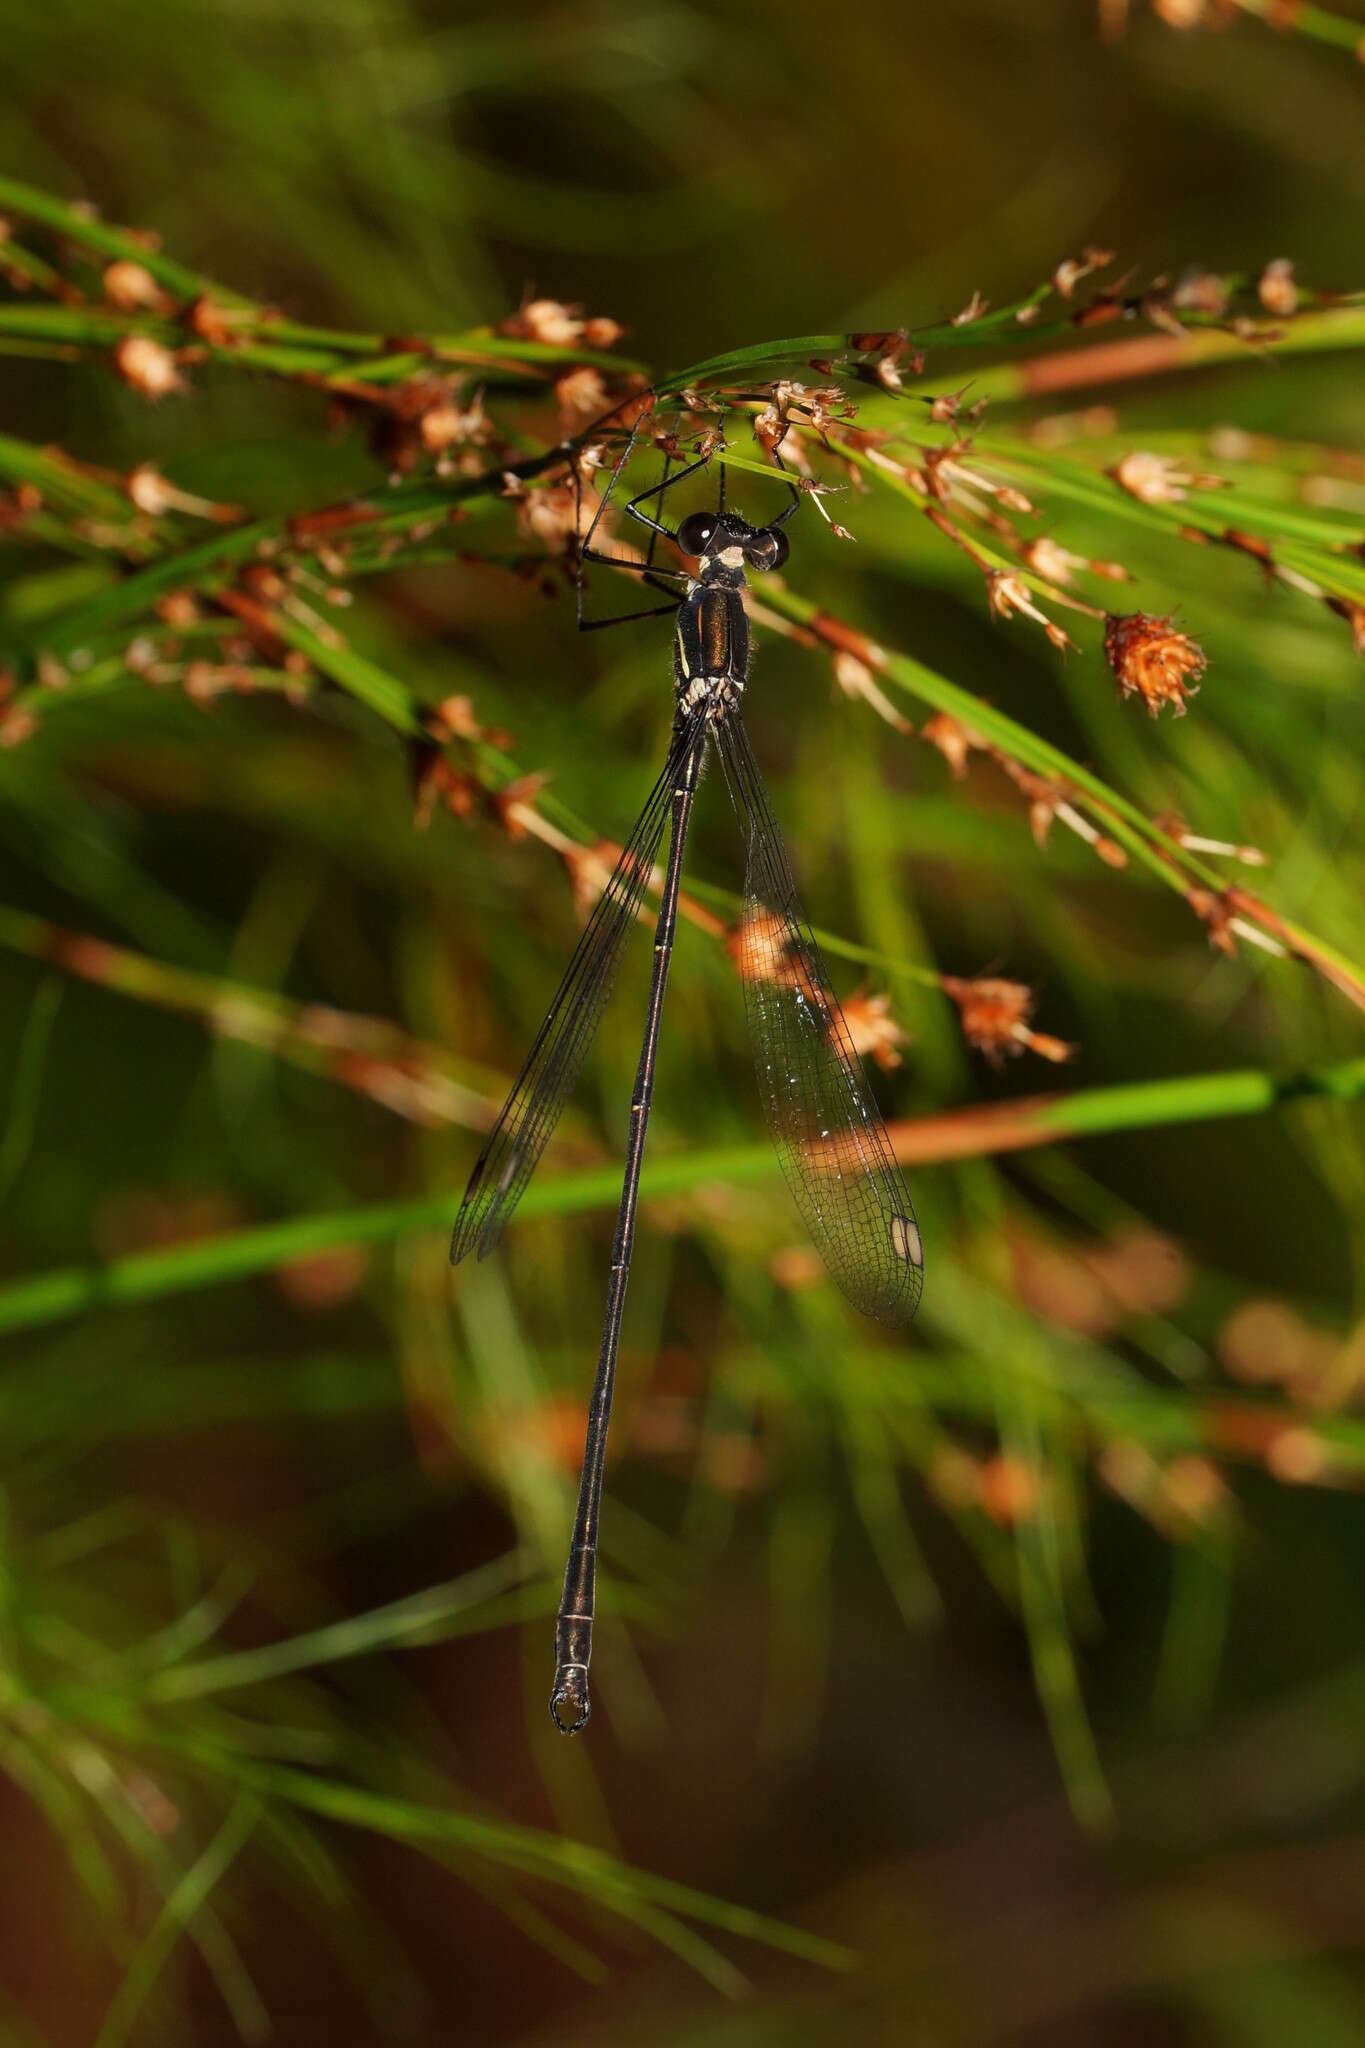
(695, 533)
(768, 549)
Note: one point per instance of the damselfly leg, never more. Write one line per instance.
(648, 570)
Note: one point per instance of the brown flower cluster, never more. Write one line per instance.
(561, 326)
(996, 1019)
(1152, 660)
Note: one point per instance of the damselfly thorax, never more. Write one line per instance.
(711, 650)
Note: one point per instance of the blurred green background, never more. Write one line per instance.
(1004, 1655)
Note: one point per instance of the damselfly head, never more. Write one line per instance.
(727, 544)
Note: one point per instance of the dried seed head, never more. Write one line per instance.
(1050, 561)
(550, 321)
(853, 676)
(1201, 291)
(946, 408)
(1277, 290)
(446, 423)
(995, 1018)
(761, 951)
(515, 803)
(1156, 306)
(874, 1030)
(132, 288)
(770, 428)
(1160, 479)
(147, 366)
(436, 781)
(1214, 911)
(1069, 273)
(549, 513)
(457, 719)
(1354, 615)
(973, 310)
(1152, 660)
(1046, 799)
(581, 397)
(217, 325)
(856, 679)
(156, 495)
(1008, 594)
(1056, 564)
(1174, 827)
(590, 869)
(150, 491)
(546, 320)
(953, 740)
(894, 354)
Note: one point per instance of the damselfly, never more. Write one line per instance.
(830, 1137)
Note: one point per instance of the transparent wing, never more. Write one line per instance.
(827, 1129)
(532, 1110)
